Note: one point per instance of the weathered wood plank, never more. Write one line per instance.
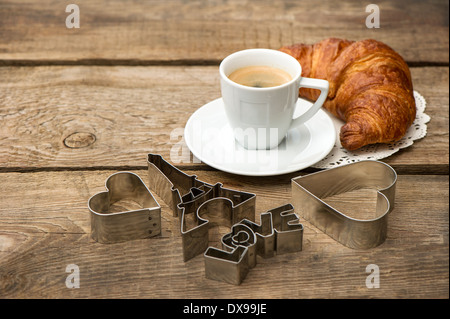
(96, 117)
(44, 226)
(141, 32)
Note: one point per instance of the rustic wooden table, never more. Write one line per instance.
(78, 104)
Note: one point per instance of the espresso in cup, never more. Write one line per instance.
(261, 118)
(260, 76)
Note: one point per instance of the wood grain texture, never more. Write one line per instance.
(131, 32)
(127, 112)
(77, 105)
(44, 226)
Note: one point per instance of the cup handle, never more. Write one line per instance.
(319, 84)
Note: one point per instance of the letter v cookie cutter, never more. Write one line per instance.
(309, 190)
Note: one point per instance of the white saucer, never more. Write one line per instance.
(211, 140)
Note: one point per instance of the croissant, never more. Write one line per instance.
(370, 88)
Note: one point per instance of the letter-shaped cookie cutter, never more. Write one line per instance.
(111, 227)
(206, 204)
(309, 190)
(279, 232)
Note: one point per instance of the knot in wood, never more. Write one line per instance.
(79, 140)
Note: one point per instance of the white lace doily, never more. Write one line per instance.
(340, 156)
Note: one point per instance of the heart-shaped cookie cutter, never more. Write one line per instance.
(309, 190)
(112, 227)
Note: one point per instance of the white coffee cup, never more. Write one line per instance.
(261, 117)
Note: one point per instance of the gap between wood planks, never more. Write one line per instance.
(432, 169)
(138, 62)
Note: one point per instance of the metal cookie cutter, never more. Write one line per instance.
(107, 227)
(203, 204)
(308, 192)
(279, 232)
(199, 206)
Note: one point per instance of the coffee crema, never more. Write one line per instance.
(260, 76)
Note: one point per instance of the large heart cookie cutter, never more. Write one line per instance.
(309, 190)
